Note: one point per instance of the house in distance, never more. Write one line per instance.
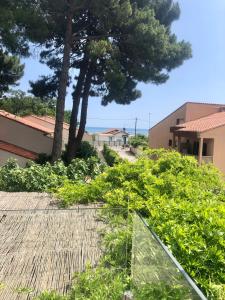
(196, 129)
(112, 137)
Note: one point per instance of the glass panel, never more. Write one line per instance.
(154, 273)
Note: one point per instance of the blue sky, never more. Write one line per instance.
(200, 79)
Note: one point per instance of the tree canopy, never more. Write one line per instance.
(117, 44)
(19, 103)
(10, 71)
(112, 44)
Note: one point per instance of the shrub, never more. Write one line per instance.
(139, 140)
(38, 178)
(85, 151)
(183, 202)
(111, 156)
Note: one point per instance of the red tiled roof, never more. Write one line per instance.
(18, 150)
(25, 122)
(47, 119)
(203, 124)
(113, 131)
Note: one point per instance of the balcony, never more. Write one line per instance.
(207, 159)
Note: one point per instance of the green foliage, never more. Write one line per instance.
(19, 103)
(139, 140)
(160, 291)
(45, 177)
(67, 116)
(183, 202)
(11, 70)
(111, 156)
(86, 150)
(51, 296)
(45, 87)
(100, 283)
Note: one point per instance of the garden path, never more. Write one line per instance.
(125, 153)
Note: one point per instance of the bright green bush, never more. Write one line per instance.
(183, 202)
(51, 296)
(38, 178)
(111, 157)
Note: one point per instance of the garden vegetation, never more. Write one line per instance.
(111, 157)
(183, 203)
(46, 177)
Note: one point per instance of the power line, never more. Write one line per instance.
(116, 119)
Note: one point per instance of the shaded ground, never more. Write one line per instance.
(41, 246)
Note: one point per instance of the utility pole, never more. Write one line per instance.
(135, 127)
(149, 120)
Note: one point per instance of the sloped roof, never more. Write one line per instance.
(25, 122)
(203, 124)
(47, 119)
(18, 150)
(113, 131)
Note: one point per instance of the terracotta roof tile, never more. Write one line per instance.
(18, 150)
(25, 122)
(203, 124)
(47, 119)
(113, 131)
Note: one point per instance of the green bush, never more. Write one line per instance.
(139, 140)
(85, 151)
(111, 157)
(51, 296)
(38, 178)
(183, 202)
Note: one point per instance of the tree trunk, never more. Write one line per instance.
(60, 106)
(84, 108)
(74, 115)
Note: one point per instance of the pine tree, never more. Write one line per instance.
(115, 45)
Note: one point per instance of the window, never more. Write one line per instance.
(179, 121)
(170, 143)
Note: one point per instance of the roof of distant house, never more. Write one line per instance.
(18, 150)
(47, 119)
(25, 122)
(113, 131)
(203, 124)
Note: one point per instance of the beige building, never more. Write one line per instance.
(196, 129)
(24, 138)
(49, 122)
